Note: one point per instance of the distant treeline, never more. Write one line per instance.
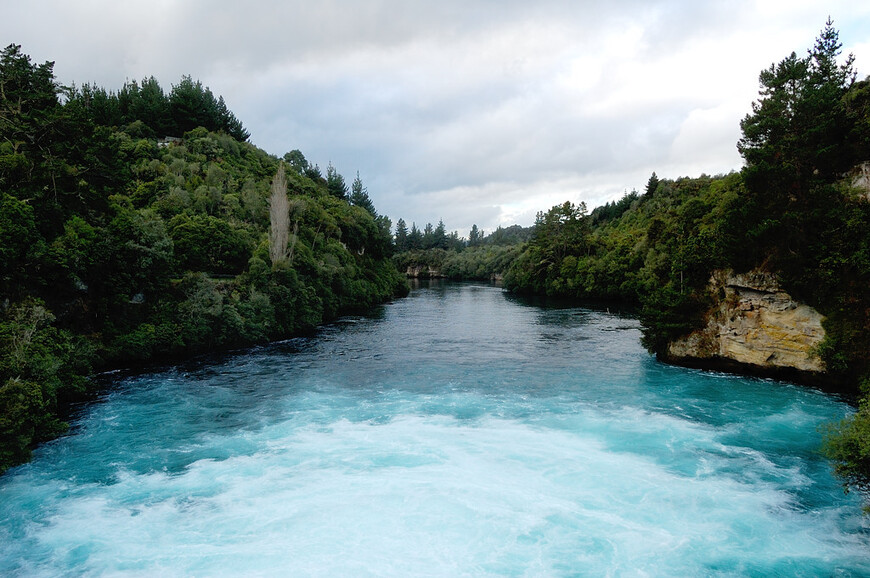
(188, 105)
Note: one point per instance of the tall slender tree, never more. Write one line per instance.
(359, 196)
(415, 238)
(401, 236)
(279, 218)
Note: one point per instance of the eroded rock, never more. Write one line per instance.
(756, 324)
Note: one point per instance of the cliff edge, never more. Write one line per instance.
(754, 327)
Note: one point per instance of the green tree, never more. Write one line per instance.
(847, 444)
(211, 244)
(651, 185)
(29, 114)
(475, 236)
(401, 236)
(192, 105)
(415, 238)
(20, 244)
(335, 183)
(439, 236)
(297, 161)
(795, 135)
(359, 196)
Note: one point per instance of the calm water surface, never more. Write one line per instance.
(459, 432)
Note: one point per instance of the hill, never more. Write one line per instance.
(135, 226)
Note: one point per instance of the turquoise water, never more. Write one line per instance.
(459, 432)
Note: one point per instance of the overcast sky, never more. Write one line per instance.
(470, 111)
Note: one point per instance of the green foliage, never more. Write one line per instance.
(144, 110)
(38, 365)
(359, 196)
(118, 248)
(480, 263)
(481, 257)
(657, 251)
(847, 444)
(789, 211)
(335, 183)
(20, 243)
(211, 244)
(401, 238)
(610, 211)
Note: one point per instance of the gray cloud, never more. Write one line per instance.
(475, 112)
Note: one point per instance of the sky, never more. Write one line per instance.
(467, 111)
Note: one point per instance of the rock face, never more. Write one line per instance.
(423, 272)
(755, 325)
(860, 176)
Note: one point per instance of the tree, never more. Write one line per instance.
(795, 135)
(846, 444)
(279, 218)
(335, 183)
(28, 93)
(297, 161)
(562, 230)
(19, 240)
(359, 196)
(229, 123)
(651, 185)
(428, 237)
(29, 110)
(192, 105)
(147, 103)
(415, 238)
(475, 236)
(439, 236)
(401, 236)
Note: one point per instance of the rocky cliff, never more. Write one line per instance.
(755, 327)
(423, 272)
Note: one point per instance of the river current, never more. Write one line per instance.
(458, 432)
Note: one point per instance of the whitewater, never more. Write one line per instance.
(458, 432)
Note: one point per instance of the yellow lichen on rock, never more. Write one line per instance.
(755, 324)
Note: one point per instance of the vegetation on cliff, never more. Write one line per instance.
(119, 246)
(791, 211)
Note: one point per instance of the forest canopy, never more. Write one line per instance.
(120, 246)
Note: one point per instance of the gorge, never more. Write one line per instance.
(459, 431)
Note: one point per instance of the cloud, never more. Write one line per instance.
(474, 112)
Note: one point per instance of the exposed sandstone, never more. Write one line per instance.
(755, 324)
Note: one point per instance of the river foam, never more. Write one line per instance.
(404, 445)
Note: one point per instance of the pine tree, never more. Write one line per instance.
(359, 196)
(795, 135)
(401, 236)
(335, 183)
(415, 238)
(439, 236)
(652, 184)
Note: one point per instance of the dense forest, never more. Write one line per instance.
(792, 211)
(140, 225)
(434, 253)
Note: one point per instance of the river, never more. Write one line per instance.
(458, 432)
